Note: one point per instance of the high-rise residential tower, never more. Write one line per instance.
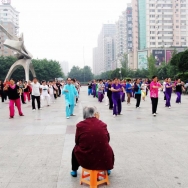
(124, 34)
(161, 23)
(167, 23)
(65, 67)
(104, 54)
(9, 19)
(134, 32)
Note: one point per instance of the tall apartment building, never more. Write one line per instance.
(96, 67)
(167, 23)
(134, 32)
(121, 36)
(104, 54)
(124, 34)
(65, 67)
(129, 38)
(9, 19)
(159, 23)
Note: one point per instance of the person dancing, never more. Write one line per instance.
(70, 92)
(154, 87)
(168, 93)
(179, 89)
(128, 91)
(116, 98)
(100, 91)
(94, 89)
(109, 94)
(13, 92)
(137, 89)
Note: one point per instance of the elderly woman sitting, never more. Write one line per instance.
(92, 150)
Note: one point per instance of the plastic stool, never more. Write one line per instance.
(94, 177)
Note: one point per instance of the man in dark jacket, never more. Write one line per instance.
(92, 150)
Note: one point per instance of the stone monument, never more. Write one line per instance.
(24, 56)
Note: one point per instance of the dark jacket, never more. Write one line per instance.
(92, 148)
(13, 93)
(136, 88)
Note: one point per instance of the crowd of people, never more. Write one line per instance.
(116, 90)
(44, 93)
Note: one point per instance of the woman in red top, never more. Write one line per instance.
(154, 92)
(26, 91)
(92, 150)
(14, 96)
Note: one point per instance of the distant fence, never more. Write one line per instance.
(84, 83)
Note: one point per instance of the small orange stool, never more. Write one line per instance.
(94, 176)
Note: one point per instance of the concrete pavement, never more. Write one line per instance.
(150, 152)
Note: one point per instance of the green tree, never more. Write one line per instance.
(124, 61)
(83, 75)
(75, 72)
(152, 70)
(87, 74)
(118, 73)
(183, 63)
(45, 69)
(5, 64)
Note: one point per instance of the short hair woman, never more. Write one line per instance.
(92, 150)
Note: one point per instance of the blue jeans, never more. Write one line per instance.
(89, 91)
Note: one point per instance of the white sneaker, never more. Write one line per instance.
(115, 115)
(120, 114)
(154, 114)
(169, 107)
(40, 108)
(68, 117)
(72, 115)
(106, 104)
(34, 110)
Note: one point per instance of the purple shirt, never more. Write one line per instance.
(116, 94)
(168, 90)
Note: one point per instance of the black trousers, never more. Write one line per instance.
(2, 96)
(5, 94)
(164, 95)
(75, 164)
(33, 101)
(110, 102)
(154, 102)
(138, 98)
(22, 98)
(59, 92)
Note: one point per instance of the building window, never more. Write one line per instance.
(152, 43)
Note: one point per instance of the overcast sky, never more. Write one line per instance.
(59, 29)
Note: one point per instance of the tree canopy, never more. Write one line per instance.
(176, 67)
(45, 69)
(81, 74)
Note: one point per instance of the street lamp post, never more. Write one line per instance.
(120, 73)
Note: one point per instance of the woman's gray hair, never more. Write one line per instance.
(89, 112)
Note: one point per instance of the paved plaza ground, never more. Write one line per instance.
(150, 152)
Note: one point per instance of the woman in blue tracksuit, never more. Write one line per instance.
(137, 89)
